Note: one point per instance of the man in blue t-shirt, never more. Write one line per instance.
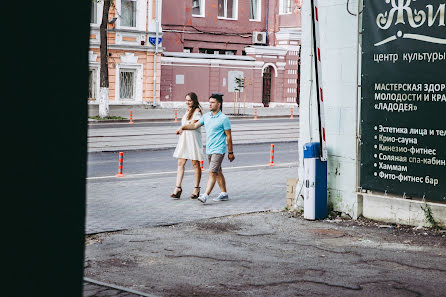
(218, 133)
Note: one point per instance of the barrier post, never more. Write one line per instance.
(255, 113)
(176, 119)
(291, 117)
(131, 117)
(271, 156)
(121, 165)
(201, 162)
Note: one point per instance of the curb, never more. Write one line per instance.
(173, 147)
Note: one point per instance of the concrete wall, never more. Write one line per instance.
(402, 211)
(339, 46)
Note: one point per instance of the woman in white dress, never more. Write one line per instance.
(189, 147)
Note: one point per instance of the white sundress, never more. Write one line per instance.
(190, 145)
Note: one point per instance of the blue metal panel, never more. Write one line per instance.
(315, 206)
(312, 150)
(321, 189)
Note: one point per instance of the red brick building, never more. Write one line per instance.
(209, 43)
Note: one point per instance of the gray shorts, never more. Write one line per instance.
(215, 161)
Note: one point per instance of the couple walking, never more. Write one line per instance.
(189, 147)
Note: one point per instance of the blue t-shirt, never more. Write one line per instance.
(215, 126)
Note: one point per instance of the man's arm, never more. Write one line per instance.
(229, 141)
(192, 126)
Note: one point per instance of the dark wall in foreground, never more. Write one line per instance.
(44, 116)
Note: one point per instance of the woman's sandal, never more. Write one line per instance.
(193, 196)
(178, 194)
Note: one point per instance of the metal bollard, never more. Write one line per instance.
(271, 156)
(121, 165)
(131, 117)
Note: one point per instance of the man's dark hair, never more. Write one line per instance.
(219, 98)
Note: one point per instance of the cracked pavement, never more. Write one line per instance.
(270, 254)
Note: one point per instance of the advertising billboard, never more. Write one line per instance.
(403, 100)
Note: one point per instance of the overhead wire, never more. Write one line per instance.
(348, 8)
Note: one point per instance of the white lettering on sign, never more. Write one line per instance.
(402, 13)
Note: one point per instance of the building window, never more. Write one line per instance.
(128, 13)
(127, 84)
(92, 83)
(187, 50)
(285, 6)
(198, 7)
(211, 51)
(254, 10)
(227, 9)
(94, 12)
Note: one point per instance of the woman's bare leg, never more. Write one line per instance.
(197, 176)
(180, 173)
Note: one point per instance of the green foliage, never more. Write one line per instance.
(240, 82)
(428, 215)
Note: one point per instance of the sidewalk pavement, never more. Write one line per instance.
(149, 113)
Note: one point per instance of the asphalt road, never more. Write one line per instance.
(270, 254)
(148, 161)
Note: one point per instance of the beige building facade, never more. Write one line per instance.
(133, 53)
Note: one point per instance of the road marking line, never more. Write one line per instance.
(191, 171)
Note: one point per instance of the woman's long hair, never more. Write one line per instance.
(195, 105)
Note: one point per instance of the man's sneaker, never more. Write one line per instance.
(222, 197)
(203, 198)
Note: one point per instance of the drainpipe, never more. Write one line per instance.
(358, 111)
(267, 15)
(155, 56)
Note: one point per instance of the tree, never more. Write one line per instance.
(240, 82)
(104, 84)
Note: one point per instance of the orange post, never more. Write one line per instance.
(291, 117)
(255, 113)
(176, 119)
(121, 165)
(131, 117)
(201, 162)
(271, 156)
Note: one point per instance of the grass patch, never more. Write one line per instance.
(98, 118)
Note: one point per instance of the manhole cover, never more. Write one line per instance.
(327, 233)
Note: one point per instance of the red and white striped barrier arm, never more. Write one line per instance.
(318, 66)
